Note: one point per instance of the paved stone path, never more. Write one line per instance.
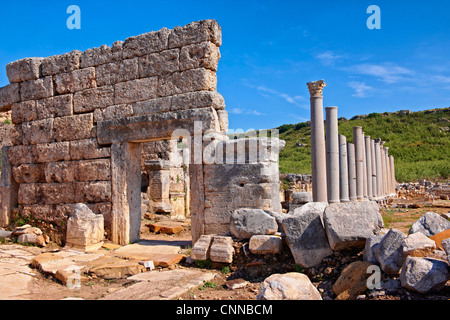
(15, 274)
(165, 285)
(19, 265)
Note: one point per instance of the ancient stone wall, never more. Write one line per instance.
(64, 109)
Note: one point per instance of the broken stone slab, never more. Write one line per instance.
(201, 249)
(236, 284)
(222, 249)
(389, 252)
(306, 236)
(85, 229)
(109, 267)
(424, 275)
(165, 227)
(246, 223)
(288, 286)
(369, 249)
(430, 224)
(265, 244)
(165, 285)
(301, 197)
(352, 281)
(349, 224)
(418, 245)
(31, 238)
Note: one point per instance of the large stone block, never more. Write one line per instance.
(36, 89)
(46, 193)
(198, 99)
(135, 90)
(61, 63)
(136, 128)
(187, 81)
(22, 154)
(117, 71)
(99, 191)
(424, 275)
(196, 32)
(430, 224)
(246, 223)
(59, 172)
(418, 245)
(50, 152)
(389, 252)
(8, 96)
(93, 170)
(349, 224)
(92, 99)
(104, 54)
(29, 173)
(154, 41)
(264, 244)
(74, 81)
(85, 229)
(306, 236)
(58, 106)
(288, 286)
(201, 249)
(201, 55)
(113, 112)
(23, 111)
(88, 149)
(24, 69)
(369, 249)
(352, 281)
(38, 131)
(159, 63)
(222, 249)
(76, 127)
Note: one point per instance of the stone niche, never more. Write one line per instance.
(81, 120)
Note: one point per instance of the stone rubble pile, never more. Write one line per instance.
(317, 232)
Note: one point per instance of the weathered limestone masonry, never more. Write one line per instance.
(362, 170)
(81, 120)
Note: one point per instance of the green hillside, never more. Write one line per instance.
(419, 141)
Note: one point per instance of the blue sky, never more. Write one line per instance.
(270, 49)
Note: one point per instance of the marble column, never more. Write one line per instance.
(364, 167)
(368, 167)
(394, 182)
(388, 171)
(359, 161)
(318, 156)
(374, 169)
(343, 169)
(378, 168)
(383, 170)
(332, 152)
(351, 164)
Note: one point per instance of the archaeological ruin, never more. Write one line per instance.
(99, 127)
(88, 126)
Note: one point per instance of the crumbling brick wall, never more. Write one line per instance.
(58, 103)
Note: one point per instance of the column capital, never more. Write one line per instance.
(316, 88)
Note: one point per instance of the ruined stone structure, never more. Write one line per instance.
(81, 120)
(346, 171)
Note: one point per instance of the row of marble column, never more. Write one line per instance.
(343, 171)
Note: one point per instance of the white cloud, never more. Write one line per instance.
(387, 72)
(329, 58)
(245, 111)
(361, 89)
(267, 92)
